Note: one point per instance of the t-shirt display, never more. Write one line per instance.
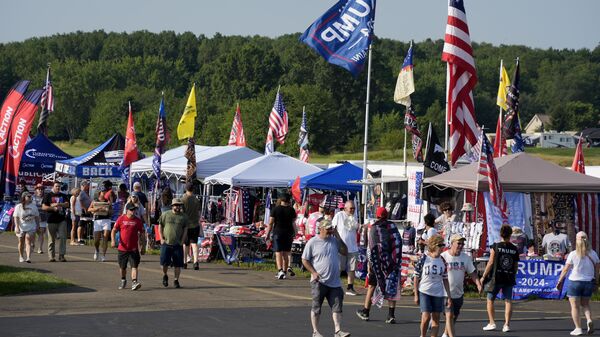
(347, 227)
(408, 239)
(556, 244)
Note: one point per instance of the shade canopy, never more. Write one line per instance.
(273, 170)
(519, 172)
(209, 160)
(334, 179)
(103, 161)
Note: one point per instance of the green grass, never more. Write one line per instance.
(22, 280)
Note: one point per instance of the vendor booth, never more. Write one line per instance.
(101, 162)
(335, 179)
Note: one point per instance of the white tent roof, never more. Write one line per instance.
(209, 160)
(273, 170)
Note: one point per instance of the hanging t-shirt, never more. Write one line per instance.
(507, 259)
(457, 267)
(347, 227)
(431, 273)
(556, 245)
(408, 239)
(429, 233)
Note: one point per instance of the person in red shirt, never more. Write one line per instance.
(130, 228)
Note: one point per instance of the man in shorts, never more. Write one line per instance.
(321, 259)
(173, 227)
(130, 228)
(191, 208)
(347, 226)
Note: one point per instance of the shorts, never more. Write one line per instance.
(320, 292)
(23, 233)
(580, 289)
(506, 292)
(43, 224)
(75, 218)
(282, 243)
(171, 254)
(431, 304)
(132, 257)
(457, 303)
(192, 236)
(102, 225)
(348, 262)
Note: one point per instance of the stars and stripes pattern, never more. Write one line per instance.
(488, 168)
(461, 79)
(270, 143)
(303, 139)
(242, 207)
(587, 212)
(236, 137)
(500, 143)
(47, 104)
(278, 119)
(162, 138)
(411, 125)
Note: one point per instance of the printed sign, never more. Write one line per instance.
(539, 278)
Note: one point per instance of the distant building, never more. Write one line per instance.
(538, 123)
(591, 136)
(557, 139)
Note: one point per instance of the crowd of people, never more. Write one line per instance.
(332, 251)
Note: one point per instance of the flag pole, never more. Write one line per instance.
(500, 118)
(365, 145)
(477, 174)
(446, 120)
(405, 163)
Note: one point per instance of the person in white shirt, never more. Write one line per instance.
(347, 226)
(27, 221)
(556, 243)
(459, 264)
(583, 281)
(430, 230)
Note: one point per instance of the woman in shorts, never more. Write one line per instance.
(27, 220)
(75, 216)
(37, 199)
(101, 210)
(431, 278)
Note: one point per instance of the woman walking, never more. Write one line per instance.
(101, 209)
(27, 221)
(37, 199)
(75, 217)
(582, 281)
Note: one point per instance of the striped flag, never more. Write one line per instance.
(587, 212)
(303, 139)
(499, 143)
(162, 138)
(270, 143)
(236, 136)
(47, 104)
(278, 119)
(461, 79)
(488, 168)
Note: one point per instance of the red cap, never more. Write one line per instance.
(381, 213)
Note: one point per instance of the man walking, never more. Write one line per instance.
(130, 228)
(191, 207)
(55, 204)
(347, 226)
(321, 259)
(173, 226)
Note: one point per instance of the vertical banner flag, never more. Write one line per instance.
(270, 143)
(578, 164)
(503, 88)
(343, 34)
(512, 104)
(131, 151)
(9, 106)
(303, 139)
(17, 137)
(499, 143)
(185, 129)
(47, 104)
(435, 158)
(190, 155)
(278, 119)
(411, 125)
(162, 138)
(405, 85)
(488, 169)
(236, 137)
(267, 207)
(296, 192)
(461, 80)
(587, 210)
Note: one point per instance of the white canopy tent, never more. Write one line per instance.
(273, 170)
(209, 160)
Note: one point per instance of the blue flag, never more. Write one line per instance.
(343, 34)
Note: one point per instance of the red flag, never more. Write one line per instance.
(17, 137)
(578, 161)
(296, 193)
(131, 150)
(236, 137)
(14, 97)
(500, 143)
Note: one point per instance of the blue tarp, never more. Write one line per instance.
(333, 179)
(103, 161)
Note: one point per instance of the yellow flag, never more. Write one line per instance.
(185, 129)
(503, 88)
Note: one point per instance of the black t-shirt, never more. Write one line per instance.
(507, 258)
(58, 215)
(283, 224)
(143, 198)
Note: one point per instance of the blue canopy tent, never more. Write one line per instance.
(333, 179)
(101, 162)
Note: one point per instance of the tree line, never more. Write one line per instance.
(96, 73)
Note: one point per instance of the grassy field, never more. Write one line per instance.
(22, 280)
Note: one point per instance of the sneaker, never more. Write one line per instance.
(291, 272)
(40, 251)
(61, 258)
(363, 314)
(341, 333)
(444, 335)
(123, 284)
(351, 292)
(196, 266)
(576, 332)
(165, 281)
(21, 259)
(590, 327)
(176, 284)
(82, 242)
(280, 275)
(316, 334)
(505, 328)
(489, 327)
(103, 258)
(391, 320)
(185, 265)
(96, 255)
(135, 285)
(28, 261)
(52, 259)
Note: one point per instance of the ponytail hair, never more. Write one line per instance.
(582, 245)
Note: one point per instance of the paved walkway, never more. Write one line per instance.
(217, 300)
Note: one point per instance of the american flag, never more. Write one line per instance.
(587, 212)
(242, 207)
(162, 138)
(278, 119)
(488, 168)
(270, 143)
(47, 104)
(303, 139)
(499, 143)
(236, 137)
(461, 80)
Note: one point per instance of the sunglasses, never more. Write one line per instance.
(441, 245)
(460, 243)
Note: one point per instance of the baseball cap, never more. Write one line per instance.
(176, 201)
(381, 212)
(137, 184)
(456, 237)
(131, 206)
(325, 223)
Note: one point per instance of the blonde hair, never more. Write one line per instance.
(582, 246)
(75, 190)
(434, 242)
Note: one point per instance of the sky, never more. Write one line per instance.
(543, 24)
